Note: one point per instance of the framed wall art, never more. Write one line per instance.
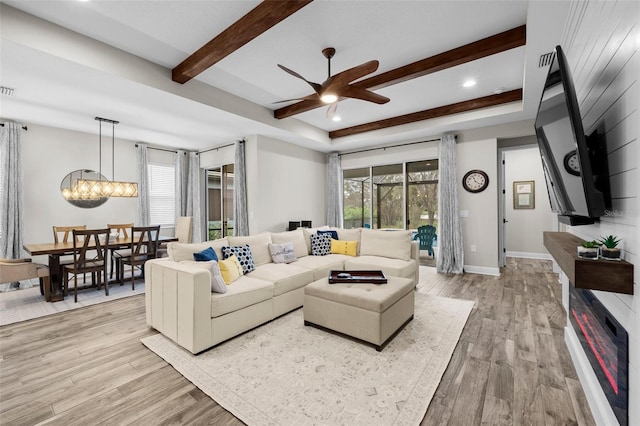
(524, 194)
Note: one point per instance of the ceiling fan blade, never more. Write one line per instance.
(315, 86)
(331, 111)
(364, 94)
(347, 76)
(306, 98)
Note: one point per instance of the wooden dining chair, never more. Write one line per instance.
(89, 256)
(62, 234)
(122, 232)
(144, 246)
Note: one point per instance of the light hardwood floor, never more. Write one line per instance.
(88, 367)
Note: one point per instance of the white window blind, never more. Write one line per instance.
(162, 188)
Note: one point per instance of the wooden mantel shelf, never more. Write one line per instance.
(605, 275)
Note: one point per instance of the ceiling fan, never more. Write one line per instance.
(337, 87)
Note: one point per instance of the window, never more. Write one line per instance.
(220, 202)
(388, 197)
(162, 190)
(422, 193)
(397, 196)
(357, 198)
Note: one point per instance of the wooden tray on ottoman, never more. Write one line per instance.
(357, 277)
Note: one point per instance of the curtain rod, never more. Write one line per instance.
(23, 127)
(161, 149)
(216, 148)
(391, 146)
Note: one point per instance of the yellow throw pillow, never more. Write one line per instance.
(230, 268)
(344, 247)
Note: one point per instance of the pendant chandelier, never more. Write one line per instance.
(91, 189)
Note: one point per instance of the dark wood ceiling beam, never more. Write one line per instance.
(257, 21)
(501, 42)
(470, 105)
(498, 43)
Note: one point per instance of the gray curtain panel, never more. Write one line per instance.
(182, 182)
(240, 191)
(12, 201)
(450, 252)
(334, 193)
(192, 192)
(143, 186)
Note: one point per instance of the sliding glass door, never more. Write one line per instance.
(388, 197)
(422, 194)
(395, 196)
(220, 201)
(357, 198)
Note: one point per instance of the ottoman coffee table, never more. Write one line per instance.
(370, 312)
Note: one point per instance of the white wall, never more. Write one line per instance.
(49, 154)
(480, 227)
(284, 182)
(525, 227)
(601, 42)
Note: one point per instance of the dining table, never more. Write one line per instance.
(54, 291)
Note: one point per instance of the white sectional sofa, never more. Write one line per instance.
(180, 304)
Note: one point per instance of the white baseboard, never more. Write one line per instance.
(600, 408)
(544, 256)
(482, 270)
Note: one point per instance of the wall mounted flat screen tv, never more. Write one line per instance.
(575, 166)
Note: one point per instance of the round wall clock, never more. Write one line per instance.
(475, 181)
(571, 163)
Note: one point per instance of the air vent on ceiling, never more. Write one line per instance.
(6, 91)
(546, 59)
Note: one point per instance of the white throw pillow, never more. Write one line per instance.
(282, 253)
(217, 282)
(392, 244)
(296, 237)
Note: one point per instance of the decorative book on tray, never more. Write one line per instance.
(357, 277)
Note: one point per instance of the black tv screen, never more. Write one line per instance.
(568, 156)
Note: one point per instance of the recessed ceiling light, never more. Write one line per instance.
(469, 83)
(336, 118)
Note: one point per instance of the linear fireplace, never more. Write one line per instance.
(606, 344)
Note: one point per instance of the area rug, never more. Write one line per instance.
(284, 373)
(26, 304)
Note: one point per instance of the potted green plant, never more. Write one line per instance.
(589, 250)
(610, 249)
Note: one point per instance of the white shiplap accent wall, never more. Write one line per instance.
(601, 41)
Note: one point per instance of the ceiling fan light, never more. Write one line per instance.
(328, 98)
